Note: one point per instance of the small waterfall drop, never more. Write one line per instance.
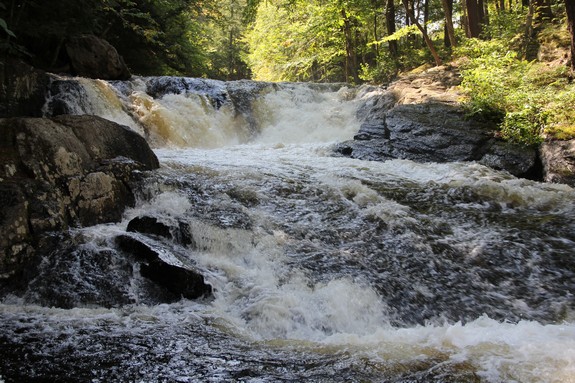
(186, 112)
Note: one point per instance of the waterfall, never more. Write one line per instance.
(323, 268)
(188, 112)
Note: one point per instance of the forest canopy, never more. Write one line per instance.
(293, 40)
(515, 56)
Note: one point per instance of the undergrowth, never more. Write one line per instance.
(526, 100)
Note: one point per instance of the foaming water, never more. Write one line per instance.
(175, 112)
(188, 121)
(304, 115)
(304, 273)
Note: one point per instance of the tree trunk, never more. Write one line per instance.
(350, 55)
(447, 9)
(425, 14)
(481, 13)
(570, 8)
(390, 21)
(473, 20)
(428, 41)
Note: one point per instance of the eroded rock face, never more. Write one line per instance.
(62, 172)
(419, 118)
(93, 57)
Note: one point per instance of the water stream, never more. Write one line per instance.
(324, 269)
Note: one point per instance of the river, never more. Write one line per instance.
(324, 268)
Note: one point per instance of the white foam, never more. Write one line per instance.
(303, 115)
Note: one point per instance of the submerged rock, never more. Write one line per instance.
(62, 172)
(180, 233)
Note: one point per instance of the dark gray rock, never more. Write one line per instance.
(165, 268)
(419, 132)
(519, 160)
(22, 89)
(558, 159)
(94, 57)
(419, 117)
(180, 233)
(435, 132)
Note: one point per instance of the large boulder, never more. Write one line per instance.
(22, 89)
(62, 172)
(93, 57)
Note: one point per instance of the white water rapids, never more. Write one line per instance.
(324, 269)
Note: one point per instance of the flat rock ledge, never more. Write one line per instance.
(419, 118)
(63, 172)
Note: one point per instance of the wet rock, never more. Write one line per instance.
(558, 159)
(164, 268)
(72, 274)
(65, 97)
(94, 57)
(214, 90)
(419, 132)
(519, 160)
(22, 89)
(149, 225)
(179, 232)
(62, 172)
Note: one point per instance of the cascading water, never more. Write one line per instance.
(324, 269)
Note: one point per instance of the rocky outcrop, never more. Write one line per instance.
(93, 57)
(150, 225)
(559, 161)
(419, 118)
(62, 172)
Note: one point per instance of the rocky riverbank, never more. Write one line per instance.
(419, 117)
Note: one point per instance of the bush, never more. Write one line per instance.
(526, 126)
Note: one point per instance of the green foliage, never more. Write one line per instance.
(499, 90)
(402, 32)
(296, 41)
(525, 126)
(383, 72)
(526, 100)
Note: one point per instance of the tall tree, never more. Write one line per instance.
(448, 11)
(390, 24)
(428, 42)
(473, 18)
(570, 8)
(350, 49)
